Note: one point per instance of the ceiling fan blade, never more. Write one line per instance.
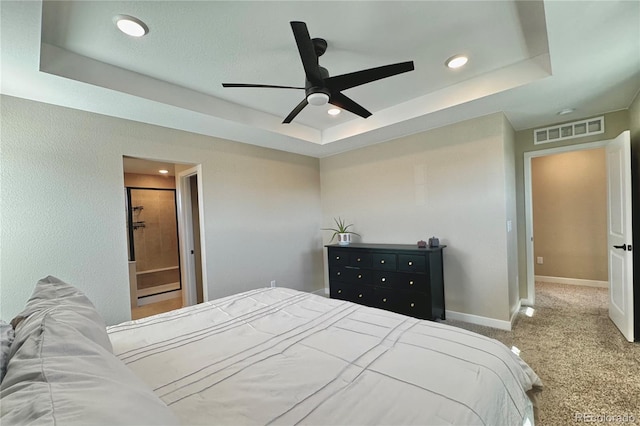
(346, 81)
(295, 111)
(344, 102)
(307, 52)
(267, 86)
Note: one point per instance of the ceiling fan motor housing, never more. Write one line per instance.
(311, 91)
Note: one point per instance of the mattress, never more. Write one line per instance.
(281, 356)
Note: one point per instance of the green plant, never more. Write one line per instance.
(340, 228)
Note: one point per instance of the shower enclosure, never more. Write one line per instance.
(153, 240)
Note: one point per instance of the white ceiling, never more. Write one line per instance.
(529, 59)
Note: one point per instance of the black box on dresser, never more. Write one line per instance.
(395, 277)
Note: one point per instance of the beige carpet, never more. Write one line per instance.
(591, 374)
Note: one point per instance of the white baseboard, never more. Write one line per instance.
(478, 320)
(572, 281)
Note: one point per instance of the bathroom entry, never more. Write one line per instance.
(155, 280)
(153, 240)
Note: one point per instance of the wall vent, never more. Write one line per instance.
(577, 129)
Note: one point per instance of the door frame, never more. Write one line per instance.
(528, 205)
(185, 228)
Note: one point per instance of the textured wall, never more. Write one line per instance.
(450, 182)
(63, 206)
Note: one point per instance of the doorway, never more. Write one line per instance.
(158, 252)
(528, 191)
(618, 227)
(569, 203)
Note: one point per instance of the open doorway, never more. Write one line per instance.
(154, 237)
(618, 226)
(569, 202)
(529, 157)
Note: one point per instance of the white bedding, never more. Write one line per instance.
(280, 356)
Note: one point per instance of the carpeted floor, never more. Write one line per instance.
(591, 374)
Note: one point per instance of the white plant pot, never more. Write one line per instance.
(344, 239)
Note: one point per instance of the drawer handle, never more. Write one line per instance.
(383, 279)
(410, 282)
(360, 295)
(384, 300)
(339, 291)
(359, 275)
(382, 261)
(410, 263)
(338, 273)
(337, 257)
(413, 304)
(358, 259)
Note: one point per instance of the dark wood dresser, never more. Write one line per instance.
(396, 277)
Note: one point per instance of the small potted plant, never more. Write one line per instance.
(342, 231)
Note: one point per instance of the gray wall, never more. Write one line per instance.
(455, 182)
(63, 206)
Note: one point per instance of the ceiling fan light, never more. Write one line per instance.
(131, 26)
(318, 99)
(456, 61)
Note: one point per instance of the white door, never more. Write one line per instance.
(619, 230)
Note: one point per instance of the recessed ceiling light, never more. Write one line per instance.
(333, 111)
(163, 171)
(566, 111)
(456, 61)
(131, 26)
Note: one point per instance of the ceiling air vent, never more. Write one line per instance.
(577, 129)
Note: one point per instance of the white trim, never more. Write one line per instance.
(572, 281)
(528, 204)
(526, 302)
(478, 320)
(186, 235)
(573, 135)
(515, 313)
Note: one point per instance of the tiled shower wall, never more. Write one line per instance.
(155, 245)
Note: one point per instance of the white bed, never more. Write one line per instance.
(268, 356)
(280, 356)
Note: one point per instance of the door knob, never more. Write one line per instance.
(623, 247)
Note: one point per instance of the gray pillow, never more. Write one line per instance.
(62, 372)
(6, 338)
(52, 293)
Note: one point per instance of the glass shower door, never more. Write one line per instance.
(153, 240)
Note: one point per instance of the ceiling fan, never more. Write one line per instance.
(319, 87)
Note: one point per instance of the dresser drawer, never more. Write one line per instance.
(337, 257)
(350, 275)
(384, 261)
(400, 280)
(353, 293)
(403, 302)
(411, 263)
(360, 260)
